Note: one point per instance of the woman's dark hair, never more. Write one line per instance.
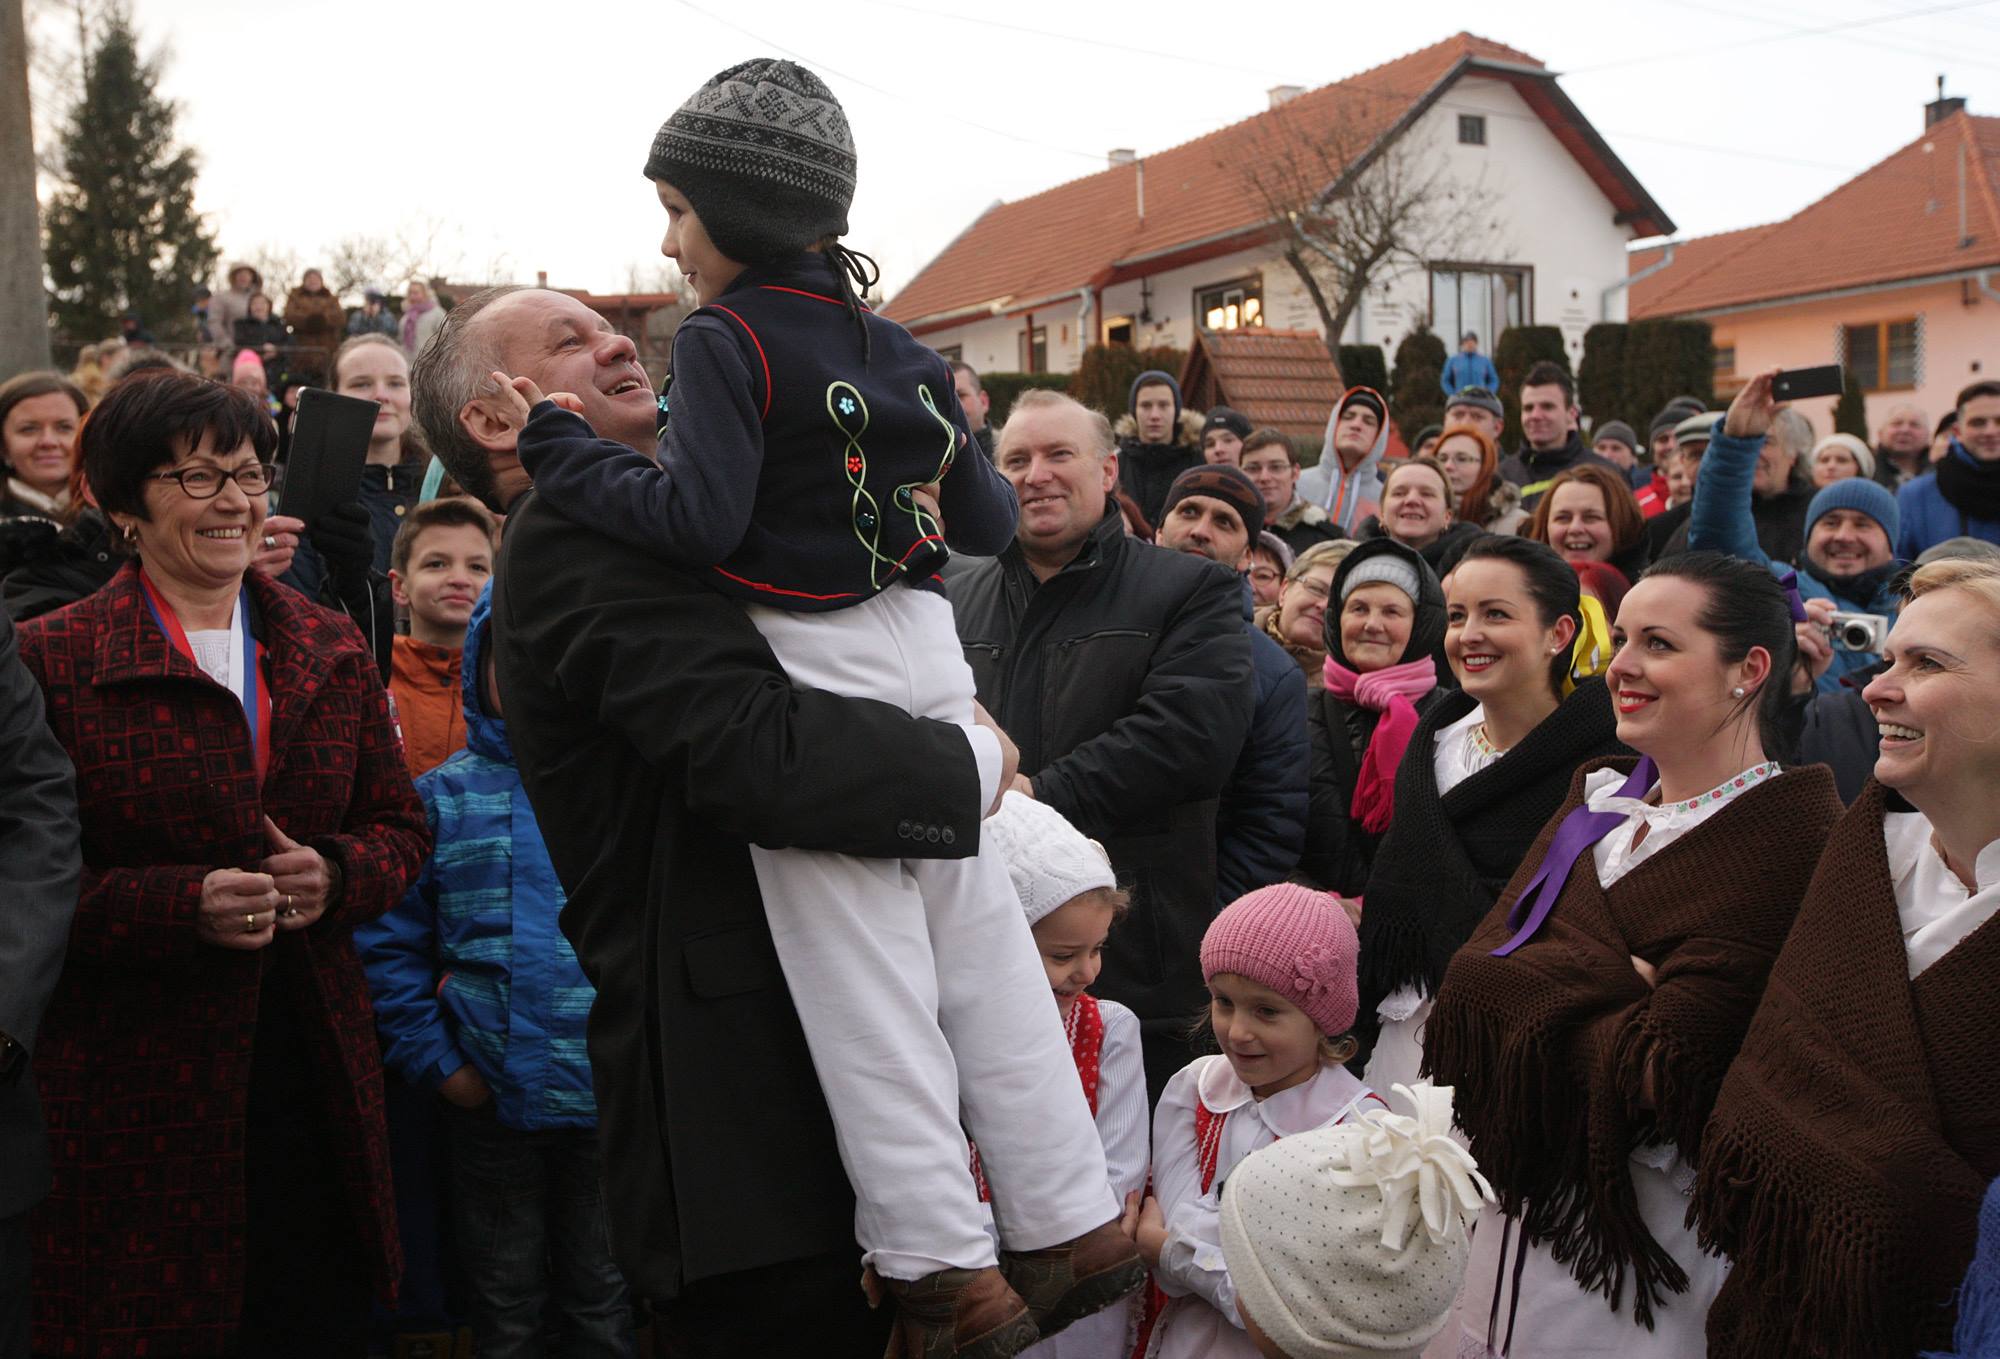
(1552, 585)
(157, 418)
(1746, 608)
(27, 386)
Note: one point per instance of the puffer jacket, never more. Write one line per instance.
(470, 966)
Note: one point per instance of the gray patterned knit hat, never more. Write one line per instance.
(764, 155)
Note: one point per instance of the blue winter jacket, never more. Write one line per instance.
(1260, 825)
(469, 966)
(1468, 370)
(1720, 521)
(1928, 518)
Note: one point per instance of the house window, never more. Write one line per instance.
(1883, 356)
(1035, 349)
(1230, 306)
(1118, 330)
(952, 353)
(1480, 299)
(1472, 129)
(1725, 361)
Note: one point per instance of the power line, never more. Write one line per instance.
(1763, 39)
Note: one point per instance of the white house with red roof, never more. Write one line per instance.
(1895, 274)
(1151, 247)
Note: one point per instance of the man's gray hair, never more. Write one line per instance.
(1792, 432)
(1043, 399)
(445, 376)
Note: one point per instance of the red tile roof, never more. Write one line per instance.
(1281, 379)
(1081, 233)
(1692, 257)
(1897, 220)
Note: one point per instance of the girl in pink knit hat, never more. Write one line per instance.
(1280, 967)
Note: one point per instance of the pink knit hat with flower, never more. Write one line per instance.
(1296, 941)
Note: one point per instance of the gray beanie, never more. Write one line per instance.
(1386, 569)
(765, 157)
(1622, 432)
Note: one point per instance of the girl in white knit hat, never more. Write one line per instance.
(1072, 899)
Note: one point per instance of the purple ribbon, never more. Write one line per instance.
(1581, 829)
(1790, 580)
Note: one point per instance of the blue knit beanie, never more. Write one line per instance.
(1153, 377)
(1870, 497)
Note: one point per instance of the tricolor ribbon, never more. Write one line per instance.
(248, 686)
(1581, 829)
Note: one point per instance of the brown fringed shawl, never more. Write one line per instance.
(1550, 1048)
(1857, 1129)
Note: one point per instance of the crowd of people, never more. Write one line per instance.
(816, 871)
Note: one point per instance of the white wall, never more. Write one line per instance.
(1544, 213)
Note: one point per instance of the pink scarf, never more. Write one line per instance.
(1388, 691)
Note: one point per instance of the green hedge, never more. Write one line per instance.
(1600, 378)
(1418, 400)
(1663, 360)
(1364, 365)
(1103, 380)
(1519, 349)
(1004, 387)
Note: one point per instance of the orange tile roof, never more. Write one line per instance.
(1079, 233)
(1896, 220)
(1694, 256)
(1281, 379)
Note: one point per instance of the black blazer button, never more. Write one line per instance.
(933, 834)
(949, 836)
(903, 829)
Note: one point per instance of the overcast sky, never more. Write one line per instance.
(521, 126)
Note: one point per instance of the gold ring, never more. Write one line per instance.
(249, 923)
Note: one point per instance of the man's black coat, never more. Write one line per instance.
(658, 737)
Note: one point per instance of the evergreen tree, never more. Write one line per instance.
(1418, 399)
(122, 233)
(1850, 413)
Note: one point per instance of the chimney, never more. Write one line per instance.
(1121, 155)
(1941, 108)
(1283, 94)
(541, 278)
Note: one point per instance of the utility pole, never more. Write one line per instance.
(24, 314)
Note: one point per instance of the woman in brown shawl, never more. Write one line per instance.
(1860, 1123)
(1589, 1020)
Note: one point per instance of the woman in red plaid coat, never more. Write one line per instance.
(209, 1066)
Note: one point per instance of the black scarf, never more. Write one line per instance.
(1969, 486)
(1862, 588)
(1446, 859)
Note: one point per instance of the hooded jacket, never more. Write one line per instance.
(470, 966)
(1147, 471)
(1339, 853)
(424, 679)
(1348, 497)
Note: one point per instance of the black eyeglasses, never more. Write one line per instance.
(205, 483)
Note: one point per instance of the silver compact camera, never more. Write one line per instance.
(1858, 631)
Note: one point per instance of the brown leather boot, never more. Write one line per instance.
(1066, 1283)
(959, 1314)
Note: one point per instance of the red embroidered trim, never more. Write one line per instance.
(765, 414)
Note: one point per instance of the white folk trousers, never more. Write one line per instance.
(923, 1000)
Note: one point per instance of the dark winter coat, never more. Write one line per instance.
(1532, 470)
(1146, 472)
(1339, 852)
(658, 737)
(47, 568)
(1440, 555)
(1126, 681)
(145, 1056)
(1445, 861)
(1261, 822)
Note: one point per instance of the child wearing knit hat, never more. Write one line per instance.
(1072, 900)
(1280, 966)
(796, 473)
(1351, 1241)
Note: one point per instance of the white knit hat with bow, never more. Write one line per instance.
(1049, 860)
(1351, 1240)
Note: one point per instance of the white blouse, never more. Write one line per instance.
(1936, 910)
(1202, 1320)
(1461, 751)
(1616, 855)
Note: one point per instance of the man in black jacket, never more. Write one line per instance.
(658, 737)
(1550, 444)
(39, 865)
(1124, 673)
(1149, 461)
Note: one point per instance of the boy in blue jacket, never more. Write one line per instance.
(806, 436)
(479, 996)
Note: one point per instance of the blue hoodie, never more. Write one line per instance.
(470, 966)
